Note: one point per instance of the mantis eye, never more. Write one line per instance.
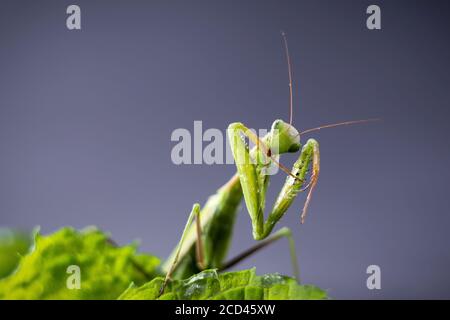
(294, 147)
(286, 136)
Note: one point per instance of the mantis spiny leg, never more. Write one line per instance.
(309, 157)
(199, 248)
(195, 213)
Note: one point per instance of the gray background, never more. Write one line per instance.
(86, 118)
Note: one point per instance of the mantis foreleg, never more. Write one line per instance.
(254, 182)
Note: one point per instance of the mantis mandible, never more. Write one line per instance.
(204, 244)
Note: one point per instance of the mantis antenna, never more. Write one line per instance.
(313, 182)
(291, 108)
(291, 100)
(332, 125)
(288, 59)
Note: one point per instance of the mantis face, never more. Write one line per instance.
(284, 137)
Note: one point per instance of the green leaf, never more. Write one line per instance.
(13, 244)
(240, 285)
(106, 270)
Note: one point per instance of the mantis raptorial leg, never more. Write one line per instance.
(254, 185)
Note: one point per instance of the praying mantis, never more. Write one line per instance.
(205, 243)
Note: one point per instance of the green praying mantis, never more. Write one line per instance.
(204, 244)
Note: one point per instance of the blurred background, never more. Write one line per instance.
(86, 118)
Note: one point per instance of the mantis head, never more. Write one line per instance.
(284, 137)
